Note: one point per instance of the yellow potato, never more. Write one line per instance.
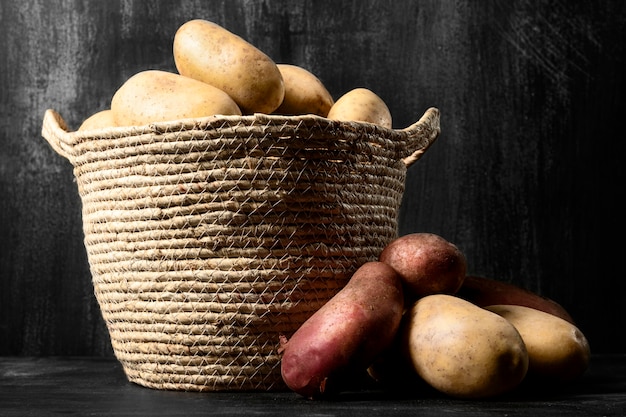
(557, 349)
(207, 52)
(461, 349)
(361, 105)
(154, 96)
(304, 92)
(99, 120)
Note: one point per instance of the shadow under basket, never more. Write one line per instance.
(209, 238)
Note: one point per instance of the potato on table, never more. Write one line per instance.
(463, 350)
(484, 291)
(427, 263)
(557, 349)
(346, 334)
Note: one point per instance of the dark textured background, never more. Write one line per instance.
(526, 178)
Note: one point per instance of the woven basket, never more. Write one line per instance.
(209, 238)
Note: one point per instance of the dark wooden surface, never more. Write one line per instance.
(527, 176)
(97, 387)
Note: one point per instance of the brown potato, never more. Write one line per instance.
(557, 350)
(304, 93)
(463, 350)
(156, 96)
(99, 120)
(209, 53)
(361, 105)
(427, 263)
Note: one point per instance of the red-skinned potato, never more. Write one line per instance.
(487, 291)
(346, 334)
(427, 263)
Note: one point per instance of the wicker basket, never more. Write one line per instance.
(209, 238)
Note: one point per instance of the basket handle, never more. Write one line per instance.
(421, 135)
(55, 131)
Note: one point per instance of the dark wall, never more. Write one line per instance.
(526, 177)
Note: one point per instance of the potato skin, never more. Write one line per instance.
(461, 349)
(427, 263)
(210, 53)
(99, 120)
(156, 96)
(361, 105)
(304, 93)
(557, 349)
(346, 334)
(484, 291)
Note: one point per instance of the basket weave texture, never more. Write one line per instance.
(207, 239)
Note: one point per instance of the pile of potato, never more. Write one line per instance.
(414, 317)
(219, 73)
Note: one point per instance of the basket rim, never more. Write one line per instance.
(412, 141)
(218, 121)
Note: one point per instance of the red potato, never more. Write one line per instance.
(346, 334)
(486, 292)
(427, 263)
